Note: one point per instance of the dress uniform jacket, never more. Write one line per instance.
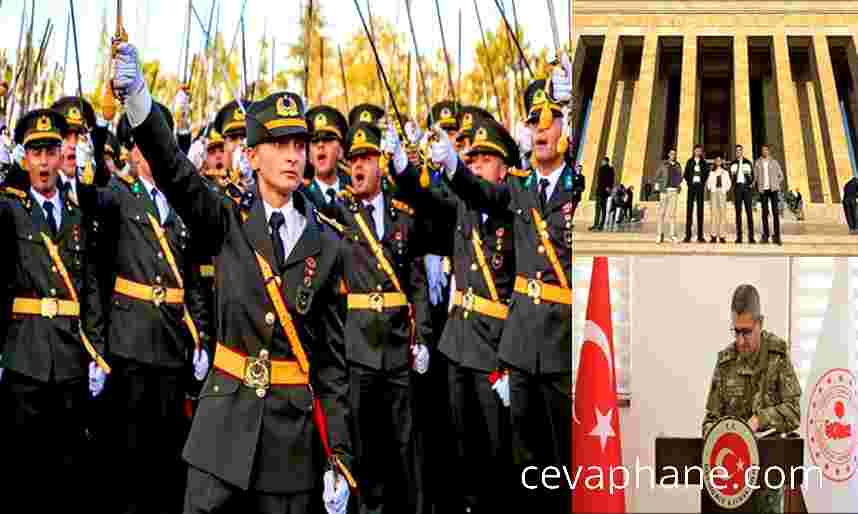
(38, 347)
(471, 342)
(381, 340)
(537, 337)
(266, 444)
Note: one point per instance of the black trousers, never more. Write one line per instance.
(150, 429)
(208, 494)
(46, 463)
(481, 475)
(541, 417)
(382, 432)
(695, 197)
(850, 208)
(767, 198)
(744, 196)
(601, 215)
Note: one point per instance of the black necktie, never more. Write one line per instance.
(65, 186)
(370, 209)
(52, 220)
(543, 193)
(332, 195)
(275, 222)
(155, 203)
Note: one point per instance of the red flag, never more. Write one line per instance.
(596, 448)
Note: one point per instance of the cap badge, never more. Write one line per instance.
(446, 113)
(360, 137)
(286, 109)
(481, 135)
(238, 115)
(43, 124)
(366, 116)
(321, 120)
(74, 115)
(467, 120)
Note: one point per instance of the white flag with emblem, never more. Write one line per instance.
(829, 407)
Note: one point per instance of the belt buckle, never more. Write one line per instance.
(468, 301)
(50, 307)
(376, 302)
(534, 290)
(159, 294)
(257, 373)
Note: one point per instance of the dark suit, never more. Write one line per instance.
(537, 339)
(150, 346)
(743, 194)
(243, 447)
(695, 177)
(46, 364)
(604, 185)
(850, 197)
(470, 342)
(378, 352)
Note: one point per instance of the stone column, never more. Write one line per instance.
(795, 164)
(600, 111)
(836, 150)
(852, 56)
(688, 106)
(817, 121)
(638, 140)
(742, 95)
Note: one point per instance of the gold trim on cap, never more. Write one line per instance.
(233, 125)
(332, 130)
(487, 145)
(41, 135)
(286, 122)
(364, 146)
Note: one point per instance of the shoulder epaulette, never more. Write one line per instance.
(14, 192)
(515, 172)
(776, 344)
(330, 222)
(402, 206)
(726, 354)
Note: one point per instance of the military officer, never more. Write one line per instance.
(387, 325)
(51, 326)
(252, 447)
(157, 325)
(365, 112)
(328, 129)
(80, 119)
(536, 344)
(469, 116)
(755, 380)
(484, 266)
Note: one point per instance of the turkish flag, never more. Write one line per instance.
(596, 447)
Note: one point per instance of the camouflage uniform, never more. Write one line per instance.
(763, 384)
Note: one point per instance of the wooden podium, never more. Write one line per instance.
(684, 452)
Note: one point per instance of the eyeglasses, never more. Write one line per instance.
(744, 332)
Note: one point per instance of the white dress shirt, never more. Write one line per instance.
(55, 201)
(160, 200)
(766, 184)
(553, 177)
(377, 214)
(323, 187)
(291, 230)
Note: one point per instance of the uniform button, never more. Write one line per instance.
(269, 318)
(30, 237)
(378, 266)
(216, 388)
(538, 275)
(160, 255)
(158, 279)
(473, 267)
(378, 287)
(53, 292)
(54, 269)
(541, 249)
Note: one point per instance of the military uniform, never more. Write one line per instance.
(484, 266)
(536, 345)
(252, 438)
(51, 328)
(387, 313)
(155, 321)
(764, 385)
(326, 123)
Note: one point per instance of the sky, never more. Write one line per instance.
(157, 26)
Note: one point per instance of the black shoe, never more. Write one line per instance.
(723, 241)
(592, 229)
(701, 240)
(738, 240)
(764, 240)
(752, 241)
(713, 240)
(687, 239)
(778, 241)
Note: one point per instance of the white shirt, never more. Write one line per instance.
(377, 214)
(323, 187)
(766, 186)
(291, 230)
(739, 171)
(553, 177)
(160, 200)
(55, 201)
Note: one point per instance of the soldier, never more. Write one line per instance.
(80, 119)
(536, 345)
(328, 129)
(52, 325)
(755, 380)
(367, 113)
(157, 325)
(387, 325)
(484, 265)
(230, 124)
(469, 116)
(252, 446)
(113, 155)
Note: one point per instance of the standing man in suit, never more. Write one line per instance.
(604, 186)
(742, 173)
(696, 175)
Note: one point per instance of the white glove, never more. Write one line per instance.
(436, 278)
(336, 493)
(197, 152)
(84, 152)
(96, 379)
(181, 108)
(561, 80)
(442, 152)
(5, 155)
(18, 155)
(501, 387)
(391, 145)
(128, 83)
(524, 137)
(1, 374)
(201, 364)
(421, 358)
(412, 132)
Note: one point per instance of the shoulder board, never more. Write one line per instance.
(776, 344)
(727, 354)
(14, 192)
(515, 172)
(330, 222)
(402, 206)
